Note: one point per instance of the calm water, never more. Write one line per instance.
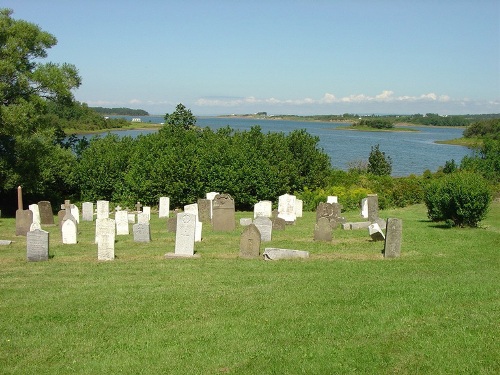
(411, 152)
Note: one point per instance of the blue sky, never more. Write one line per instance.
(283, 57)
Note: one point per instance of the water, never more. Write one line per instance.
(411, 152)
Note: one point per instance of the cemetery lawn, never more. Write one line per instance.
(434, 310)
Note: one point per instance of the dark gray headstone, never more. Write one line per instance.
(223, 213)
(323, 230)
(204, 210)
(372, 207)
(172, 224)
(393, 238)
(46, 214)
(37, 245)
(24, 218)
(250, 242)
(60, 217)
(331, 211)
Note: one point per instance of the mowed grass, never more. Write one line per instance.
(435, 310)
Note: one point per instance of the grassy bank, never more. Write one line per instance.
(364, 128)
(466, 142)
(435, 310)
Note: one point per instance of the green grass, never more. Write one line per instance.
(435, 310)
(366, 128)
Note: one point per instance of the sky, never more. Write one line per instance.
(299, 57)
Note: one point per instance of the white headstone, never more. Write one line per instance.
(286, 207)
(36, 213)
(146, 210)
(87, 211)
(164, 208)
(332, 199)
(376, 232)
(102, 209)
(142, 218)
(211, 196)
(101, 228)
(263, 208)
(69, 232)
(121, 218)
(106, 240)
(131, 218)
(184, 236)
(364, 208)
(265, 227)
(298, 207)
(75, 211)
(193, 210)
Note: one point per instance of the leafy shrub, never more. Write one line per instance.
(461, 197)
(378, 163)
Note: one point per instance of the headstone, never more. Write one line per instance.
(245, 221)
(263, 208)
(69, 231)
(375, 232)
(360, 225)
(393, 238)
(286, 208)
(131, 217)
(60, 217)
(164, 208)
(224, 217)
(250, 242)
(75, 211)
(184, 237)
(272, 253)
(36, 213)
(323, 230)
(372, 207)
(102, 209)
(5, 242)
(142, 218)
(106, 239)
(298, 207)
(265, 227)
(37, 245)
(138, 206)
(142, 232)
(121, 219)
(193, 210)
(205, 210)
(332, 211)
(279, 223)
(146, 210)
(172, 224)
(364, 208)
(46, 214)
(211, 196)
(87, 211)
(332, 199)
(24, 218)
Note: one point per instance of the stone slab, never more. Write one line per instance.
(272, 253)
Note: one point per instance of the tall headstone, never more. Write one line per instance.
(24, 218)
(372, 207)
(205, 210)
(364, 208)
(265, 227)
(46, 214)
(263, 208)
(36, 222)
(102, 210)
(393, 238)
(146, 210)
(193, 210)
(164, 207)
(106, 239)
(121, 219)
(87, 211)
(211, 196)
(75, 211)
(250, 242)
(224, 216)
(37, 245)
(323, 230)
(142, 232)
(298, 207)
(286, 207)
(184, 236)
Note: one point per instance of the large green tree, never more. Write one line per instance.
(31, 150)
(182, 118)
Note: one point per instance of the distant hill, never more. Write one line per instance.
(120, 111)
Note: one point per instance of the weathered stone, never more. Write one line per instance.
(146, 210)
(271, 253)
(36, 213)
(205, 211)
(24, 218)
(87, 211)
(372, 207)
(323, 230)
(375, 232)
(211, 196)
(286, 208)
(193, 210)
(250, 242)
(223, 214)
(37, 245)
(172, 224)
(245, 221)
(298, 207)
(164, 207)
(263, 208)
(184, 236)
(142, 232)
(360, 225)
(106, 239)
(393, 238)
(364, 208)
(265, 227)
(121, 219)
(5, 242)
(142, 218)
(279, 223)
(75, 212)
(102, 209)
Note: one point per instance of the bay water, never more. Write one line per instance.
(412, 152)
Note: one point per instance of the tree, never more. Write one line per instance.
(378, 163)
(180, 118)
(28, 141)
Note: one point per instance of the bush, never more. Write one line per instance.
(378, 163)
(462, 197)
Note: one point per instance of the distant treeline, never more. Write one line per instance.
(120, 111)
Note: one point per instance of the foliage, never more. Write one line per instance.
(120, 111)
(437, 120)
(484, 129)
(376, 123)
(182, 117)
(378, 163)
(31, 151)
(461, 197)
(486, 161)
